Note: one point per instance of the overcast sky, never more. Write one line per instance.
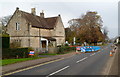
(107, 9)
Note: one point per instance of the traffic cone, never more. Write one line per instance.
(111, 53)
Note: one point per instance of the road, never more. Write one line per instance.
(97, 63)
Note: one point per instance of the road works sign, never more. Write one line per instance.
(31, 53)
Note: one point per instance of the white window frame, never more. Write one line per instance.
(17, 26)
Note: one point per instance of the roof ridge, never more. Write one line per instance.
(37, 15)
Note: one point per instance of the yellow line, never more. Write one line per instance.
(32, 67)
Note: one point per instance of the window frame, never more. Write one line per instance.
(17, 26)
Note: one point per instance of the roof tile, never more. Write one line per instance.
(38, 22)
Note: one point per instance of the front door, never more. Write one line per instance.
(43, 44)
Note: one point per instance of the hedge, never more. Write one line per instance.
(65, 49)
(8, 53)
(5, 42)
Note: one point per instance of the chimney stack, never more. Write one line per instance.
(42, 14)
(33, 11)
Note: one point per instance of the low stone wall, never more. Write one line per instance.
(43, 50)
(52, 50)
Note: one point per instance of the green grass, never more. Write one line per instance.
(11, 61)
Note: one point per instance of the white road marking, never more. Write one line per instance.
(81, 60)
(58, 71)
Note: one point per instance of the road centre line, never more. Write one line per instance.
(58, 71)
(81, 60)
(31, 67)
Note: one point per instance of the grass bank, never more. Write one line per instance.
(11, 61)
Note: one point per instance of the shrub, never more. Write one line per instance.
(5, 41)
(8, 53)
(64, 49)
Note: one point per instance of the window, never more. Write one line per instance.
(17, 26)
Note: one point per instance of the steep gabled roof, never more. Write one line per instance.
(38, 22)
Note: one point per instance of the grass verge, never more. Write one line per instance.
(11, 61)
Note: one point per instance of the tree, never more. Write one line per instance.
(3, 23)
(69, 34)
(88, 27)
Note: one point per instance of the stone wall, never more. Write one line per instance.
(18, 35)
(45, 32)
(11, 27)
(59, 32)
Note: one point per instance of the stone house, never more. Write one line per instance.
(31, 30)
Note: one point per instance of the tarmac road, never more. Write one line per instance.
(97, 63)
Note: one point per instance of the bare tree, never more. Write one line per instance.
(3, 22)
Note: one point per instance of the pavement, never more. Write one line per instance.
(21, 65)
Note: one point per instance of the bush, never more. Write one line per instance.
(119, 42)
(8, 53)
(64, 49)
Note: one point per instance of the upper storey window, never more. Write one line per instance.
(17, 26)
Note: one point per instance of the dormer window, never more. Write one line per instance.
(17, 26)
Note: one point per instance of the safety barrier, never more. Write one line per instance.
(88, 48)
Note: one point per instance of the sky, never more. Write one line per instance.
(70, 9)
